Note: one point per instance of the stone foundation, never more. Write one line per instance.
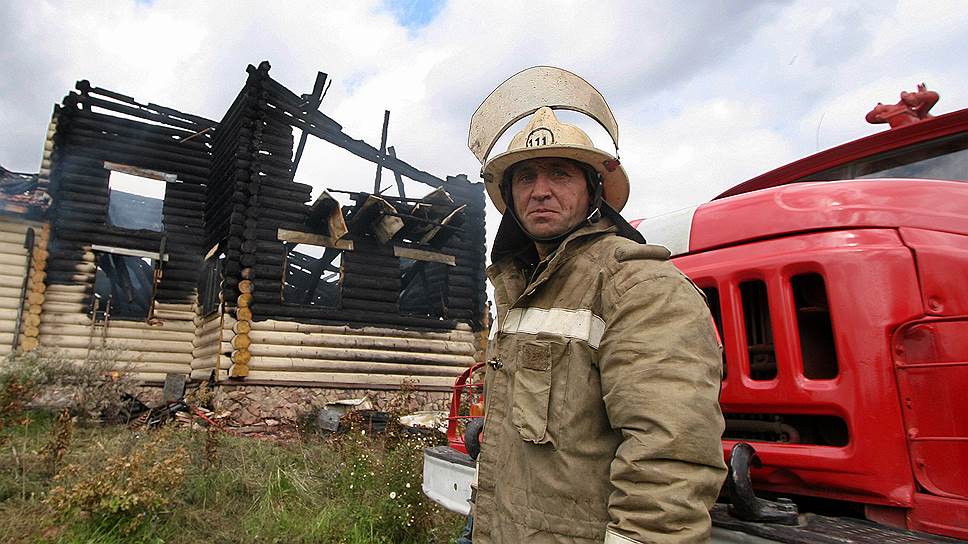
(250, 404)
(272, 404)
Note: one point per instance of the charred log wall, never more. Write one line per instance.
(234, 189)
(97, 126)
(252, 196)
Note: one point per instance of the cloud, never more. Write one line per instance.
(707, 94)
(690, 158)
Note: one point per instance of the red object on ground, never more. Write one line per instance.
(466, 403)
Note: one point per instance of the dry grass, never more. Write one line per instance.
(116, 484)
(67, 479)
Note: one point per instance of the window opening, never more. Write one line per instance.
(136, 198)
(815, 327)
(423, 288)
(712, 300)
(123, 287)
(944, 158)
(312, 275)
(759, 330)
(210, 283)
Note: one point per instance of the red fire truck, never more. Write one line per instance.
(839, 285)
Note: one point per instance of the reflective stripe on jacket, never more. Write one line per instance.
(602, 417)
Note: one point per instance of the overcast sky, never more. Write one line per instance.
(707, 94)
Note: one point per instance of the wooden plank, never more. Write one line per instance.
(362, 381)
(356, 354)
(201, 374)
(321, 213)
(47, 328)
(82, 318)
(295, 364)
(430, 234)
(140, 172)
(313, 239)
(145, 344)
(128, 252)
(326, 338)
(460, 333)
(424, 255)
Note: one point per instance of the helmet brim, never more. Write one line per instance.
(615, 181)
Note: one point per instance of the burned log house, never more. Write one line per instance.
(23, 253)
(215, 262)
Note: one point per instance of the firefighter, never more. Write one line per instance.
(602, 420)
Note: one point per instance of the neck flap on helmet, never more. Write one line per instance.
(511, 238)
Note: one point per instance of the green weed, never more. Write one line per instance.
(114, 484)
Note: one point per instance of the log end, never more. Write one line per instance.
(28, 343)
(238, 371)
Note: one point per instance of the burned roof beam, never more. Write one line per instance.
(201, 122)
(322, 126)
(312, 101)
(361, 149)
(135, 111)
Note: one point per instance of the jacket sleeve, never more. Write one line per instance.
(660, 365)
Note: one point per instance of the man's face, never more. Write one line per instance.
(550, 196)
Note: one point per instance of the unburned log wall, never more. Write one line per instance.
(208, 347)
(145, 351)
(21, 283)
(348, 357)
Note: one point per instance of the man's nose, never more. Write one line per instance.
(542, 187)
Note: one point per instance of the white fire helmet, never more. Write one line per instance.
(540, 90)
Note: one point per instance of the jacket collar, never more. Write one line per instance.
(512, 241)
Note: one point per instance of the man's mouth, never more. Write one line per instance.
(541, 210)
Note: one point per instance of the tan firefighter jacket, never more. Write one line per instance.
(602, 418)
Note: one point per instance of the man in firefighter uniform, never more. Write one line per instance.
(602, 420)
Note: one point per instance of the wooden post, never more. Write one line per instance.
(396, 175)
(383, 150)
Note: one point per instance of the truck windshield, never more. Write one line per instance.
(944, 158)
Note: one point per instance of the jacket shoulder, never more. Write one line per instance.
(618, 249)
(628, 262)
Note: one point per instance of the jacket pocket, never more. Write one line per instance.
(532, 389)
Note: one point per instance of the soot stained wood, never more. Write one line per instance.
(234, 188)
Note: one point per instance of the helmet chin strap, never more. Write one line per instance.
(595, 189)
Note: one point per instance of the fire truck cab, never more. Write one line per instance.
(838, 285)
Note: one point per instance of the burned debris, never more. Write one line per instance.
(264, 223)
(185, 245)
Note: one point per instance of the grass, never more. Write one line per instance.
(113, 484)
